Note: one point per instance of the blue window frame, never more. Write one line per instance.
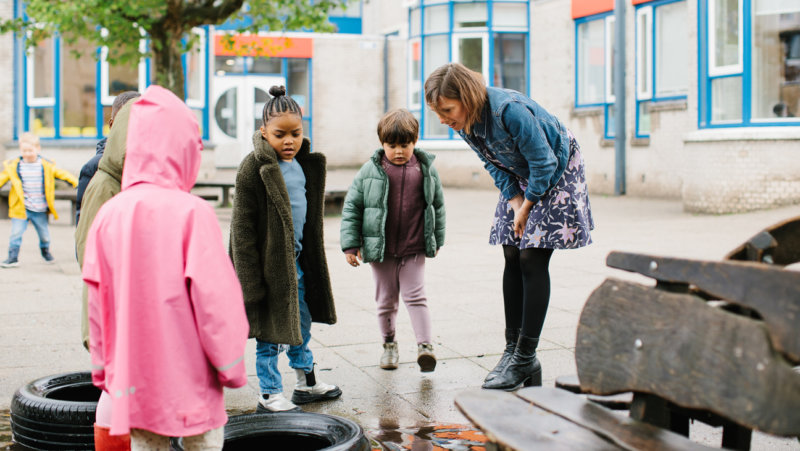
(60, 96)
(491, 37)
(346, 19)
(594, 87)
(749, 64)
(662, 67)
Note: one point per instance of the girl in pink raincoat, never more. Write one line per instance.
(167, 321)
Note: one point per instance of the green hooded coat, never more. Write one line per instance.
(104, 185)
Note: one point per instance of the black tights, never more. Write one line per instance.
(526, 288)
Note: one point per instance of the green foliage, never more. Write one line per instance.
(119, 25)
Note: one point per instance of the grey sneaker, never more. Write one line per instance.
(425, 357)
(390, 356)
(10, 262)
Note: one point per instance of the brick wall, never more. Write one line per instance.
(348, 95)
(733, 171)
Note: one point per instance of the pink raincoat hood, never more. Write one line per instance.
(169, 158)
(167, 323)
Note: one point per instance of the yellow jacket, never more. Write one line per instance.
(16, 198)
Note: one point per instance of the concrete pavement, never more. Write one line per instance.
(40, 307)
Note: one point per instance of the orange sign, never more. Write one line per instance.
(583, 8)
(250, 45)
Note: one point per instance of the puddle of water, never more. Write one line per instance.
(431, 437)
(5, 431)
(387, 437)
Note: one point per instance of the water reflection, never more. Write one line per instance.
(425, 437)
(5, 430)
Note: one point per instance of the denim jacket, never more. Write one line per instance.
(530, 143)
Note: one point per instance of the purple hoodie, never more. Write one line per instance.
(405, 231)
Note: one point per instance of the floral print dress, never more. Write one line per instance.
(562, 219)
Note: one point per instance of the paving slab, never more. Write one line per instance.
(40, 307)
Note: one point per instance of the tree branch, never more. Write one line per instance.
(207, 13)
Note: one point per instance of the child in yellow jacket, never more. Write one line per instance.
(31, 196)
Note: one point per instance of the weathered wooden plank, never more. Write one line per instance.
(620, 401)
(637, 338)
(515, 424)
(786, 249)
(771, 291)
(569, 382)
(624, 431)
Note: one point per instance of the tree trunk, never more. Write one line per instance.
(168, 70)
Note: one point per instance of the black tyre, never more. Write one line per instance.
(55, 412)
(300, 431)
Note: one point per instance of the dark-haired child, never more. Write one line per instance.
(278, 252)
(393, 217)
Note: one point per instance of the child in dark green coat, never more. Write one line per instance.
(279, 254)
(393, 218)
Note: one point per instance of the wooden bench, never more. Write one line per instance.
(60, 194)
(224, 186)
(334, 198)
(710, 341)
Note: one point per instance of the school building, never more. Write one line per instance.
(712, 88)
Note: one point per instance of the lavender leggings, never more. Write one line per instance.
(402, 276)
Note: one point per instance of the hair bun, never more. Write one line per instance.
(277, 91)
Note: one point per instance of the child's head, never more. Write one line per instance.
(29, 146)
(456, 94)
(398, 130)
(119, 101)
(283, 124)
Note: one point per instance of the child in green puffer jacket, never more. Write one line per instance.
(393, 218)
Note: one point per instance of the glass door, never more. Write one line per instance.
(238, 103)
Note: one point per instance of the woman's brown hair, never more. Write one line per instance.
(455, 81)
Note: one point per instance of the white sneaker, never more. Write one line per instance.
(317, 391)
(275, 403)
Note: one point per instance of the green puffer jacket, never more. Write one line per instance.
(364, 211)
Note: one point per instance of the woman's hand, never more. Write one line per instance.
(516, 202)
(522, 209)
(353, 259)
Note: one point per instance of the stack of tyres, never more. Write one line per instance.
(55, 412)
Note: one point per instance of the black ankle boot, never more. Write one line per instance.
(512, 335)
(523, 368)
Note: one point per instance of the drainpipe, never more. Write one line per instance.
(619, 104)
(385, 73)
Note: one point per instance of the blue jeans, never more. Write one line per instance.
(300, 357)
(39, 221)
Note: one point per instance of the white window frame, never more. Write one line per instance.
(510, 28)
(609, 33)
(203, 58)
(455, 28)
(411, 76)
(106, 98)
(644, 36)
(485, 53)
(30, 72)
(716, 71)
